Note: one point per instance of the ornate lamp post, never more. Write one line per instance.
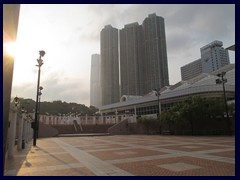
(39, 101)
(35, 126)
(157, 93)
(222, 80)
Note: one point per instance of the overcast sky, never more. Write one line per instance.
(70, 34)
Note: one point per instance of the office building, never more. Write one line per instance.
(95, 86)
(109, 65)
(192, 69)
(213, 57)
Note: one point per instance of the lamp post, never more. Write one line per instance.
(157, 93)
(39, 94)
(40, 63)
(222, 80)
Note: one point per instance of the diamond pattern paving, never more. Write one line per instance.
(129, 155)
(177, 167)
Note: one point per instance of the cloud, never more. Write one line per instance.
(71, 33)
(57, 87)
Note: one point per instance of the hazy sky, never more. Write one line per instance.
(70, 34)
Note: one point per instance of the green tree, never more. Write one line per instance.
(168, 120)
(152, 124)
(57, 107)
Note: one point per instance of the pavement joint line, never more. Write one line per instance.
(214, 158)
(183, 153)
(110, 149)
(106, 167)
(143, 158)
(213, 151)
(198, 155)
(96, 165)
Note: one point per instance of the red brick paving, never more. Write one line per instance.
(198, 147)
(102, 146)
(229, 154)
(151, 167)
(40, 161)
(114, 154)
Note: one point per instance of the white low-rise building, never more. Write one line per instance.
(203, 85)
(130, 107)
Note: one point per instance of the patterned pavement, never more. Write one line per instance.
(126, 155)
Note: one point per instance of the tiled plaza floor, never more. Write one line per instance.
(129, 155)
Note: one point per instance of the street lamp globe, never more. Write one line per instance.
(42, 53)
(16, 101)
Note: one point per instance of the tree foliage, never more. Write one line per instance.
(150, 123)
(57, 107)
(196, 114)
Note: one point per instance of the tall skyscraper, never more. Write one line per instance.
(155, 53)
(143, 56)
(109, 65)
(95, 86)
(213, 57)
(131, 60)
(143, 59)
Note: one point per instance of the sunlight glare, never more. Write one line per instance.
(10, 48)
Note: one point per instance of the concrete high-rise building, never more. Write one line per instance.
(131, 60)
(109, 65)
(213, 57)
(95, 86)
(143, 56)
(155, 53)
(143, 59)
(192, 69)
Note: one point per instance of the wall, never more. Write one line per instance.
(120, 128)
(46, 131)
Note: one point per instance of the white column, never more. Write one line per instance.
(12, 135)
(86, 119)
(20, 131)
(101, 120)
(116, 120)
(159, 107)
(29, 131)
(24, 130)
(135, 114)
(48, 120)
